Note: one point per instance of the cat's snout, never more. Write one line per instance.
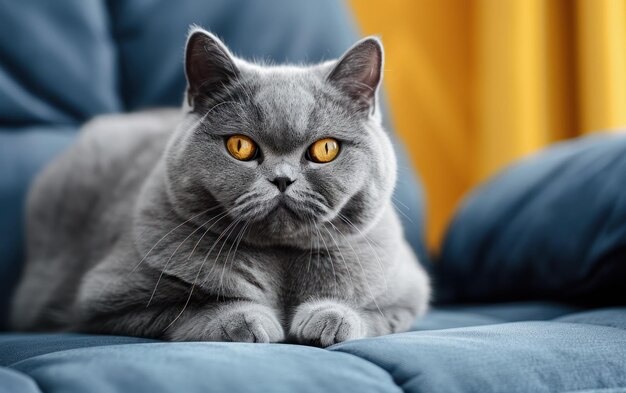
(282, 182)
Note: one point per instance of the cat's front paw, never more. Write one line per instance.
(239, 321)
(246, 322)
(325, 323)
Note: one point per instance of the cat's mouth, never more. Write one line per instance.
(285, 205)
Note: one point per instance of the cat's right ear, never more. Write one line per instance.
(209, 66)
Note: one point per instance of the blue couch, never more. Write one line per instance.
(563, 328)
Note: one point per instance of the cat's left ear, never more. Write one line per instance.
(209, 66)
(359, 71)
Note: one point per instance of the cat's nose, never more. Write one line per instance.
(282, 182)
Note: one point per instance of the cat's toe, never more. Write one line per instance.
(249, 324)
(326, 323)
(244, 323)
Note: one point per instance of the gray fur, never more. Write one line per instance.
(147, 226)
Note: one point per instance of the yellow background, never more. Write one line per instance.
(474, 85)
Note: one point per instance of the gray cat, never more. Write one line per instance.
(261, 212)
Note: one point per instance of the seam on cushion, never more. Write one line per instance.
(11, 365)
(395, 381)
(18, 363)
(30, 378)
(400, 386)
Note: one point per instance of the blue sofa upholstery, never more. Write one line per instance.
(63, 62)
(551, 226)
(556, 349)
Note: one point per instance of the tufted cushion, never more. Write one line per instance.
(552, 226)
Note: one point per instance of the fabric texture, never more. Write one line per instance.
(483, 348)
(550, 227)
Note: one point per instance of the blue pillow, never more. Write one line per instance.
(58, 64)
(552, 226)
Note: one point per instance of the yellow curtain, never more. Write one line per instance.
(474, 85)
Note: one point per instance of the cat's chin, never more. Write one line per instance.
(283, 220)
(281, 226)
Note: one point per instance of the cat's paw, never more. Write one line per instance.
(240, 321)
(325, 323)
(245, 322)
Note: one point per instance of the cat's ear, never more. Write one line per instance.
(209, 66)
(359, 71)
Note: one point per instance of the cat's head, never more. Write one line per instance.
(285, 148)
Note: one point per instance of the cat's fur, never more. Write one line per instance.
(148, 227)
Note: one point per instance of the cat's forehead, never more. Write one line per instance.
(286, 100)
(291, 103)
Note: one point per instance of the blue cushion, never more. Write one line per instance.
(58, 64)
(453, 316)
(204, 367)
(552, 226)
(614, 317)
(562, 350)
(512, 357)
(150, 35)
(16, 347)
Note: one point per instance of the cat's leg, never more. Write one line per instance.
(388, 320)
(239, 321)
(326, 322)
(397, 308)
(112, 300)
(392, 309)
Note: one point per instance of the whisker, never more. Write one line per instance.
(193, 286)
(221, 216)
(308, 265)
(400, 202)
(177, 248)
(342, 257)
(369, 287)
(402, 213)
(169, 233)
(246, 197)
(332, 265)
(380, 264)
(219, 288)
(238, 239)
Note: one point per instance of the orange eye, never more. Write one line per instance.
(241, 147)
(324, 150)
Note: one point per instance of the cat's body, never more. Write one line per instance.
(147, 226)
